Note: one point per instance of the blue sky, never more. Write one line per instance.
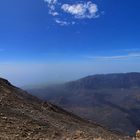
(47, 41)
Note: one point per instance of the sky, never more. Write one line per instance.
(51, 41)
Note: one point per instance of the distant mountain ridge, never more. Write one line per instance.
(23, 116)
(115, 97)
(115, 80)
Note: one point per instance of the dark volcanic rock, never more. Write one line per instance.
(23, 116)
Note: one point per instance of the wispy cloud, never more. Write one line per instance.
(52, 7)
(131, 50)
(75, 11)
(51, 1)
(115, 57)
(64, 23)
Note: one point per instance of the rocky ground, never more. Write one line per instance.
(25, 117)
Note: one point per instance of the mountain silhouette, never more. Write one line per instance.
(115, 97)
(23, 116)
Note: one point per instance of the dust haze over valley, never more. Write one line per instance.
(115, 97)
(25, 75)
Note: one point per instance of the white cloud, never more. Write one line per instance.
(62, 23)
(53, 13)
(51, 1)
(81, 10)
(52, 7)
(76, 9)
